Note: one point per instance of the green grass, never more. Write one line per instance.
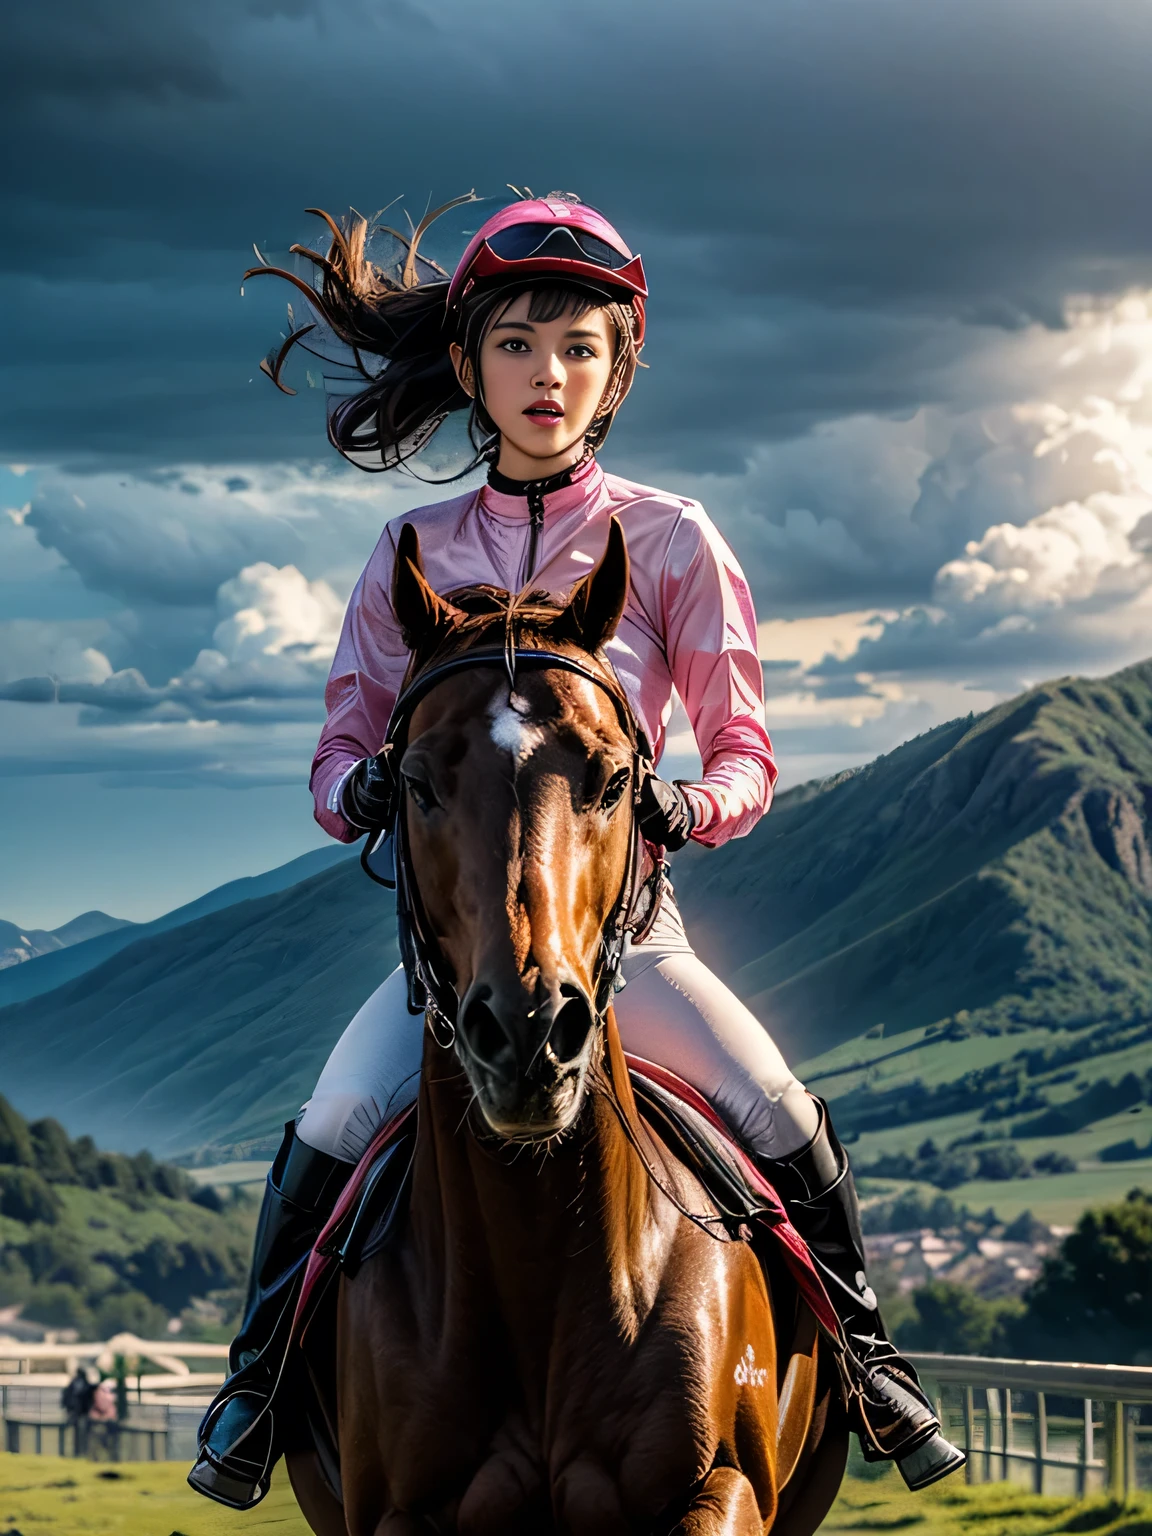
(231, 1174)
(888, 1061)
(1060, 1199)
(48, 1496)
(952, 1508)
(1083, 1146)
(883, 1062)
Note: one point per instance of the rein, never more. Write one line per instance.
(386, 856)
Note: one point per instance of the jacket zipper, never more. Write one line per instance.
(535, 524)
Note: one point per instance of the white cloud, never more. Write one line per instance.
(174, 536)
(274, 642)
(38, 648)
(269, 611)
(1065, 554)
(277, 636)
(176, 753)
(1069, 586)
(1003, 539)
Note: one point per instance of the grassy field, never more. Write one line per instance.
(44, 1496)
(47, 1496)
(951, 1508)
(221, 1174)
(1060, 1199)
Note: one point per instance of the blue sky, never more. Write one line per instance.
(901, 347)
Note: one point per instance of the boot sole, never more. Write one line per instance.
(929, 1462)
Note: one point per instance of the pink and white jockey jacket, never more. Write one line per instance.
(688, 626)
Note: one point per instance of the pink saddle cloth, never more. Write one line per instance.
(771, 1219)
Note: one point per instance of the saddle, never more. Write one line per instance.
(371, 1210)
(372, 1205)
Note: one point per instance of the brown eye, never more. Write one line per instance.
(613, 790)
(421, 793)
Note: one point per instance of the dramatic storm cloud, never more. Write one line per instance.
(900, 346)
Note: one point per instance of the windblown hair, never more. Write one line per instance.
(398, 331)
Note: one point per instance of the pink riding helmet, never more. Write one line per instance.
(555, 234)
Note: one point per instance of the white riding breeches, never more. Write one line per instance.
(671, 1010)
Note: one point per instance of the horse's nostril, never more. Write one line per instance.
(487, 1040)
(570, 1029)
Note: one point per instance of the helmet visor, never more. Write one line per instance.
(525, 242)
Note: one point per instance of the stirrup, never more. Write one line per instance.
(241, 1475)
(896, 1422)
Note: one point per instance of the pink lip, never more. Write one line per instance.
(550, 412)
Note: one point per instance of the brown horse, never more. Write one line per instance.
(552, 1344)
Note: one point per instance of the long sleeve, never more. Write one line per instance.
(710, 635)
(367, 671)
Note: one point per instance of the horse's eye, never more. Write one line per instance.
(613, 790)
(421, 792)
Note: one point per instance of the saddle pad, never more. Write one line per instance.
(763, 1204)
(760, 1203)
(322, 1260)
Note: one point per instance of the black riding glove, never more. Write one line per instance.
(664, 813)
(366, 799)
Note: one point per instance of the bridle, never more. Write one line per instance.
(386, 855)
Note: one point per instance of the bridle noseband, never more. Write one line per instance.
(386, 855)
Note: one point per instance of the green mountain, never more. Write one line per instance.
(211, 1033)
(954, 944)
(998, 865)
(954, 941)
(90, 942)
(105, 1243)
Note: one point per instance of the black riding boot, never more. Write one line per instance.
(892, 1417)
(238, 1441)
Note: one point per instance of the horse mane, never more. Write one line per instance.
(483, 605)
(487, 613)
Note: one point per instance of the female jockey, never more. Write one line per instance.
(538, 334)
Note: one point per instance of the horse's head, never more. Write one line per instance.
(518, 807)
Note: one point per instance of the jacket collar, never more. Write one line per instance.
(513, 499)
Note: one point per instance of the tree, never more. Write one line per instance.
(15, 1140)
(25, 1196)
(954, 1321)
(1091, 1300)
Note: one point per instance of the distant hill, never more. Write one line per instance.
(105, 1243)
(989, 880)
(89, 945)
(19, 945)
(998, 865)
(212, 1032)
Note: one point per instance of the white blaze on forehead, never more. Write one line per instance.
(511, 731)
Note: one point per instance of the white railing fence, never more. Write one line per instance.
(167, 1388)
(1058, 1428)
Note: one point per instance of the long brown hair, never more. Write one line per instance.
(395, 327)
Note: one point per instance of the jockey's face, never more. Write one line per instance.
(543, 384)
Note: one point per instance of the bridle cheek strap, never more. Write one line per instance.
(386, 857)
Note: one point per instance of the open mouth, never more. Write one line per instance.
(546, 411)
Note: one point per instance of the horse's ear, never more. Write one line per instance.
(598, 599)
(421, 612)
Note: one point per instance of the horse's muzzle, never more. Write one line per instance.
(526, 1057)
